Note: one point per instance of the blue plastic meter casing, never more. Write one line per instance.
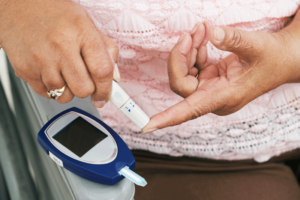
(100, 173)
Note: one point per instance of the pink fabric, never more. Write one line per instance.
(146, 31)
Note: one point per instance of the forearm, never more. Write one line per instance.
(290, 36)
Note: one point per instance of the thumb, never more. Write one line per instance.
(243, 43)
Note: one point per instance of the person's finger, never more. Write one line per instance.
(38, 87)
(76, 76)
(66, 96)
(199, 103)
(111, 46)
(202, 57)
(208, 73)
(240, 42)
(193, 71)
(178, 67)
(100, 66)
(197, 34)
(113, 51)
(53, 79)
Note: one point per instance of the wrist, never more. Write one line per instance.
(289, 54)
(290, 39)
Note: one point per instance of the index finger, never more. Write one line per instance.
(199, 103)
(180, 81)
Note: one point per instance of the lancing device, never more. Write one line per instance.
(123, 101)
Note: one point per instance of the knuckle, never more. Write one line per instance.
(20, 69)
(55, 37)
(52, 79)
(18, 74)
(114, 49)
(101, 95)
(103, 72)
(52, 84)
(236, 40)
(174, 87)
(82, 24)
(91, 39)
(178, 89)
(60, 40)
(36, 56)
(24, 72)
(65, 61)
(182, 87)
(85, 91)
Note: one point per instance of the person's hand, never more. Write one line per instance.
(55, 43)
(260, 62)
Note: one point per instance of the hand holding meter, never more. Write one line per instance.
(86, 146)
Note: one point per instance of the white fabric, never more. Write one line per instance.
(146, 31)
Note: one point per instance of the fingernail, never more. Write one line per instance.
(219, 34)
(195, 28)
(181, 37)
(99, 104)
(117, 76)
(149, 130)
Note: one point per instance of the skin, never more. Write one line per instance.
(259, 62)
(55, 43)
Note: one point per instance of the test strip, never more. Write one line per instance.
(132, 176)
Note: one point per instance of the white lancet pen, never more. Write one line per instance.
(123, 101)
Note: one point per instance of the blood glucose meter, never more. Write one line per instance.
(86, 146)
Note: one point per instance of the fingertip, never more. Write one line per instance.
(214, 34)
(102, 93)
(148, 129)
(202, 28)
(219, 34)
(181, 37)
(151, 126)
(185, 43)
(195, 28)
(198, 36)
(206, 24)
(208, 32)
(98, 104)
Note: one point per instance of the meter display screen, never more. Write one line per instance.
(79, 136)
